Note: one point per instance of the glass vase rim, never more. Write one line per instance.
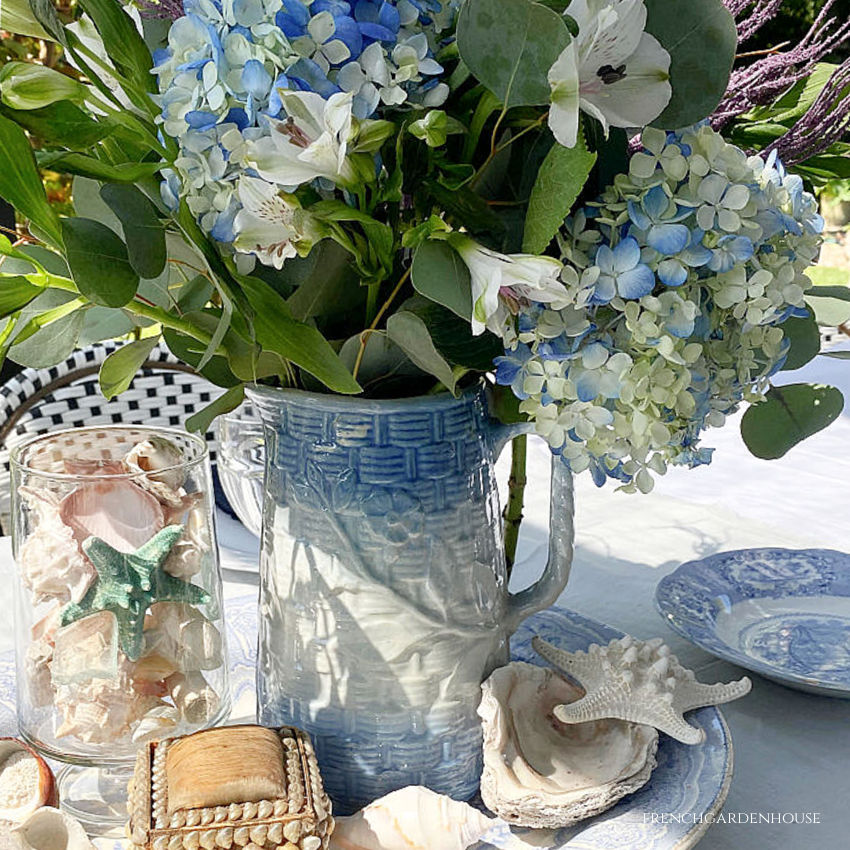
(258, 393)
(200, 443)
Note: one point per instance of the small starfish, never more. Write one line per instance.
(127, 584)
(636, 680)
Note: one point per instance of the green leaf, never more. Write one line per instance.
(504, 405)
(200, 422)
(102, 323)
(61, 123)
(384, 368)
(143, 230)
(119, 368)
(830, 304)
(50, 344)
(124, 45)
(804, 336)
(26, 85)
(466, 208)
(16, 292)
(190, 351)
(559, 182)
(701, 39)
(328, 282)
(88, 166)
(303, 345)
(510, 45)
(99, 263)
(411, 335)
(442, 276)
(838, 355)
(789, 415)
(20, 182)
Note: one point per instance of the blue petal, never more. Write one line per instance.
(198, 119)
(310, 77)
(335, 7)
(626, 254)
(256, 79)
(655, 202)
(236, 116)
(741, 248)
(672, 273)
(376, 32)
(668, 239)
(636, 282)
(639, 217)
(679, 326)
(587, 386)
(348, 32)
(275, 103)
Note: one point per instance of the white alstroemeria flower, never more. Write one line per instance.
(501, 283)
(311, 142)
(266, 225)
(612, 70)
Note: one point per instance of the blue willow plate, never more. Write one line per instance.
(671, 812)
(783, 613)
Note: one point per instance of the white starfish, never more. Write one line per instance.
(640, 681)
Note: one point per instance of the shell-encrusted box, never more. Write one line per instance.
(231, 787)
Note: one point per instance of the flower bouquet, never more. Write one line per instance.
(387, 198)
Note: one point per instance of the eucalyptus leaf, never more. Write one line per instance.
(804, 336)
(20, 182)
(788, 416)
(441, 275)
(830, 304)
(559, 182)
(510, 45)
(99, 263)
(384, 366)
(122, 365)
(49, 345)
(701, 38)
(201, 421)
(103, 323)
(411, 335)
(143, 231)
(837, 355)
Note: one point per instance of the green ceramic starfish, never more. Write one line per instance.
(127, 584)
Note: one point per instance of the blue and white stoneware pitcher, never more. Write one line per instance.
(383, 590)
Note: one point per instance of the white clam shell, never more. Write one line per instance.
(412, 818)
(154, 454)
(540, 772)
(51, 829)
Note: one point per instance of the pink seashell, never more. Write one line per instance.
(93, 466)
(118, 512)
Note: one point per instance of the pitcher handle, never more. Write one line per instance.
(552, 582)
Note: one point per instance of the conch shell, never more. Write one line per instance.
(151, 455)
(540, 772)
(51, 829)
(412, 818)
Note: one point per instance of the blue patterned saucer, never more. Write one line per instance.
(783, 613)
(671, 812)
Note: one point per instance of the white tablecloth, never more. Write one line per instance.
(792, 750)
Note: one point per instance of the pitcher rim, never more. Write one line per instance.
(258, 393)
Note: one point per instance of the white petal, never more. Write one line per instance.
(641, 96)
(321, 27)
(563, 81)
(642, 165)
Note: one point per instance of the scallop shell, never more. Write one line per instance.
(151, 455)
(542, 773)
(637, 680)
(412, 818)
(51, 829)
(117, 511)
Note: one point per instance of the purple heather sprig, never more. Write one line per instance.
(761, 11)
(764, 80)
(168, 10)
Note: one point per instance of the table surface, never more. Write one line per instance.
(792, 750)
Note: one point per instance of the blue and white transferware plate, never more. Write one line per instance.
(783, 613)
(671, 812)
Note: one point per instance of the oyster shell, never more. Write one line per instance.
(412, 818)
(540, 772)
(637, 680)
(51, 829)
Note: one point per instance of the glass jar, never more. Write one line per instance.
(118, 615)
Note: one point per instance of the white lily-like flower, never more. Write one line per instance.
(311, 142)
(266, 226)
(501, 283)
(612, 70)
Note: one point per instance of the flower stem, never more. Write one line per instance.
(364, 337)
(512, 514)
